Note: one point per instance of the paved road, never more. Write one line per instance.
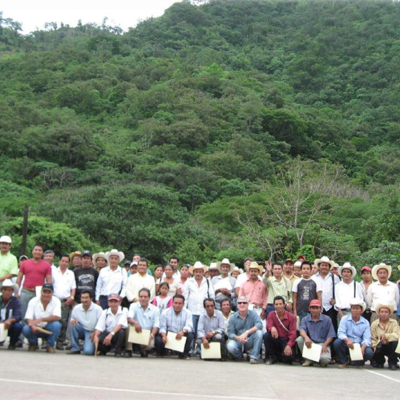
(58, 376)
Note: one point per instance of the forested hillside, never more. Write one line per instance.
(231, 128)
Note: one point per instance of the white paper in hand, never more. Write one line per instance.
(313, 353)
(174, 344)
(214, 352)
(355, 353)
(3, 333)
(141, 338)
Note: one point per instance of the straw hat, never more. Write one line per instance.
(388, 306)
(198, 265)
(9, 283)
(325, 259)
(226, 262)
(358, 302)
(347, 265)
(99, 255)
(115, 252)
(254, 265)
(376, 269)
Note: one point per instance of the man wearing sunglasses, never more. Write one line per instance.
(245, 332)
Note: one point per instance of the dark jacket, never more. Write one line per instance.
(13, 309)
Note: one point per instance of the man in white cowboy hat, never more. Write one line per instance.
(213, 270)
(112, 279)
(197, 289)
(100, 261)
(139, 281)
(346, 290)
(255, 290)
(225, 283)
(10, 312)
(85, 276)
(385, 334)
(8, 262)
(382, 291)
(353, 328)
(327, 282)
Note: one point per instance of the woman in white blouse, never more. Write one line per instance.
(173, 283)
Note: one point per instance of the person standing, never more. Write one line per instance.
(366, 275)
(64, 289)
(112, 279)
(382, 291)
(85, 276)
(8, 262)
(36, 272)
(224, 267)
(305, 290)
(139, 281)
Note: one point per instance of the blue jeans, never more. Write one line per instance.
(54, 327)
(195, 319)
(79, 332)
(254, 343)
(269, 308)
(342, 352)
(14, 332)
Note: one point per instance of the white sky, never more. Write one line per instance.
(34, 14)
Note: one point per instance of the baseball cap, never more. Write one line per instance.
(315, 303)
(48, 286)
(5, 239)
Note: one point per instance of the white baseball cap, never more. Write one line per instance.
(5, 239)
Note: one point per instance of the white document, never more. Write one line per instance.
(38, 290)
(3, 333)
(213, 352)
(223, 284)
(313, 353)
(355, 353)
(173, 344)
(398, 348)
(142, 338)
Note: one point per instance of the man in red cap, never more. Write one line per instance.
(316, 328)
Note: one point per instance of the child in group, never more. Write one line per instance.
(162, 300)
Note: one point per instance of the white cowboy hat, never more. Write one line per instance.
(99, 255)
(298, 264)
(388, 306)
(226, 262)
(9, 283)
(378, 267)
(254, 265)
(213, 266)
(115, 252)
(358, 302)
(324, 259)
(347, 265)
(198, 265)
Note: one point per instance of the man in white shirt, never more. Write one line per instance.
(110, 329)
(346, 290)
(64, 285)
(197, 289)
(43, 312)
(84, 319)
(139, 281)
(383, 291)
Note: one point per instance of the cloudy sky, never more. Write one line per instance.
(124, 13)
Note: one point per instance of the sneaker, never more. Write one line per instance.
(128, 354)
(270, 361)
(184, 356)
(32, 347)
(307, 363)
(12, 346)
(59, 346)
(393, 367)
(50, 349)
(341, 366)
(253, 361)
(323, 365)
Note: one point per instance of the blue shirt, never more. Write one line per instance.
(172, 322)
(320, 330)
(237, 325)
(357, 332)
(148, 318)
(215, 323)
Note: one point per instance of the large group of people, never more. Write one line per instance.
(311, 312)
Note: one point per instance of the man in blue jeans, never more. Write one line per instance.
(83, 322)
(43, 313)
(245, 332)
(353, 329)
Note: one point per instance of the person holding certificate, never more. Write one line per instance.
(144, 319)
(354, 334)
(176, 329)
(316, 329)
